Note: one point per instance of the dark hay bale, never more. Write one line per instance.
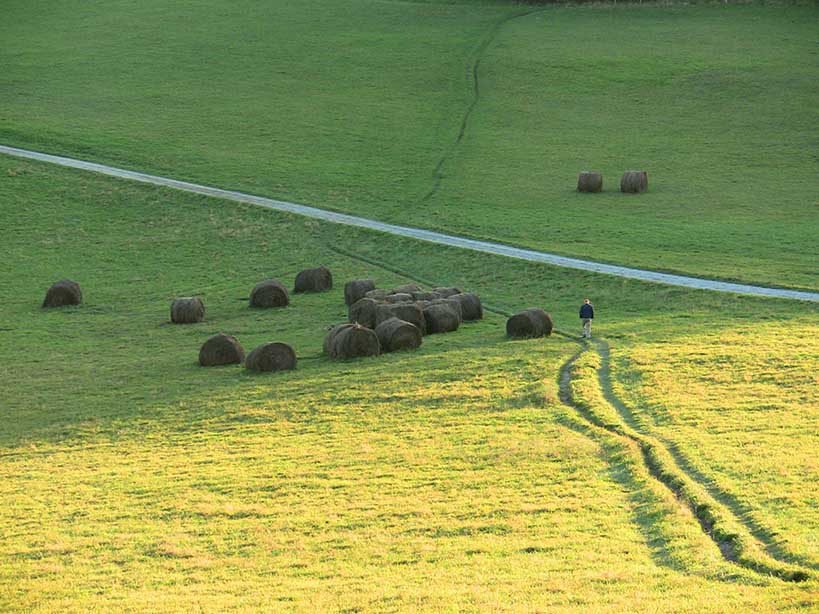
(409, 312)
(395, 335)
(221, 349)
(331, 335)
(314, 280)
(471, 307)
(357, 289)
(406, 289)
(62, 293)
(187, 310)
(379, 294)
(634, 182)
(426, 296)
(446, 292)
(269, 293)
(363, 312)
(353, 341)
(588, 181)
(271, 357)
(441, 318)
(400, 297)
(532, 322)
(453, 304)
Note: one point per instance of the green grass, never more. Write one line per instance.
(448, 479)
(351, 106)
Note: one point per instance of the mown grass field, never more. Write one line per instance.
(352, 106)
(449, 479)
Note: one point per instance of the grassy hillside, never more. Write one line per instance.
(453, 478)
(353, 106)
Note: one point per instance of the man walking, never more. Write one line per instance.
(586, 316)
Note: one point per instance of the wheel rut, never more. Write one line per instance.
(738, 542)
(438, 175)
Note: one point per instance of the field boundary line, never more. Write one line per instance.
(430, 236)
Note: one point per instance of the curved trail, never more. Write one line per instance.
(430, 236)
(764, 534)
(739, 541)
(476, 95)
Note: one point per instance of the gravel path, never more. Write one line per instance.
(418, 233)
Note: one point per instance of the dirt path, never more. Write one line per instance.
(431, 236)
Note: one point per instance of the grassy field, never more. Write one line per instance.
(450, 479)
(353, 106)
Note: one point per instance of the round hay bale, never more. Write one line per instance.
(531, 322)
(62, 293)
(471, 307)
(425, 296)
(453, 304)
(354, 341)
(379, 294)
(406, 289)
(634, 182)
(314, 280)
(395, 335)
(441, 318)
(187, 310)
(409, 312)
(589, 181)
(446, 292)
(363, 312)
(331, 335)
(271, 357)
(400, 297)
(269, 293)
(221, 349)
(357, 289)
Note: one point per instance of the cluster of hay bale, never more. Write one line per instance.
(222, 349)
(399, 317)
(632, 182)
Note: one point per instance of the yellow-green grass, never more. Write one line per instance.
(739, 406)
(352, 106)
(447, 479)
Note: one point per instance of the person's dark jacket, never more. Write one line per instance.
(586, 311)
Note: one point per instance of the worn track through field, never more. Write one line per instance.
(764, 534)
(739, 541)
(438, 174)
(430, 236)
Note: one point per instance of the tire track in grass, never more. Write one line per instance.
(582, 389)
(765, 535)
(476, 95)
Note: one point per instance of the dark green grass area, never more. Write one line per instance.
(352, 107)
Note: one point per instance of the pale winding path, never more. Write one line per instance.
(418, 233)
